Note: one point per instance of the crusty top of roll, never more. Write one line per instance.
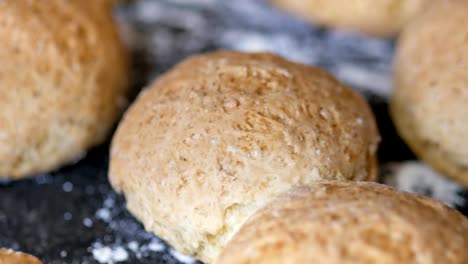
(351, 222)
(8, 256)
(431, 87)
(384, 18)
(222, 133)
(64, 75)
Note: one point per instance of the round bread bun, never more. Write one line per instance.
(64, 76)
(350, 222)
(383, 18)
(8, 256)
(221, 134)
(430, 101)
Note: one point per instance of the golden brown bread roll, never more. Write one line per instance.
(63, 79)
(379, 18)
(429, 105)
(8, 256)
(350, 222)
(221, 134)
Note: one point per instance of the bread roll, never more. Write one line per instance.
(8, 256)
(349, 222)
(429, 105)
(64, 75)
(379, 18)
(221, 134)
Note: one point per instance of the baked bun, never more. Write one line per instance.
(63, 75)
(349, 222)
(8, 256)
(430, 101)
(221, 134)
(379, 18)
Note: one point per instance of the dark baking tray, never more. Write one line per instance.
(66, 216)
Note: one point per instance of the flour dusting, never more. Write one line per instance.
(104, 254)
(416, 177)
(129, 244)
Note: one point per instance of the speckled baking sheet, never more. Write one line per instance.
(73, 216)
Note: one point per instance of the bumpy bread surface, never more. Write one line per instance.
(8, 256)
(63, 79)
(379, 18)
(350, 222)
(429, 105)
(221, 134)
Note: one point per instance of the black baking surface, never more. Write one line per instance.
(66, 216)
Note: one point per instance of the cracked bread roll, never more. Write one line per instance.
(429, 104)
(8, 256)
(221, 134)
(378, 18)
(64, 76)
(350, 222)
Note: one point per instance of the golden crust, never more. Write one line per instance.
(379, 18)
(221, 134)
(64, 75)
(350, 222)
(8, 256)
(429, 105)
